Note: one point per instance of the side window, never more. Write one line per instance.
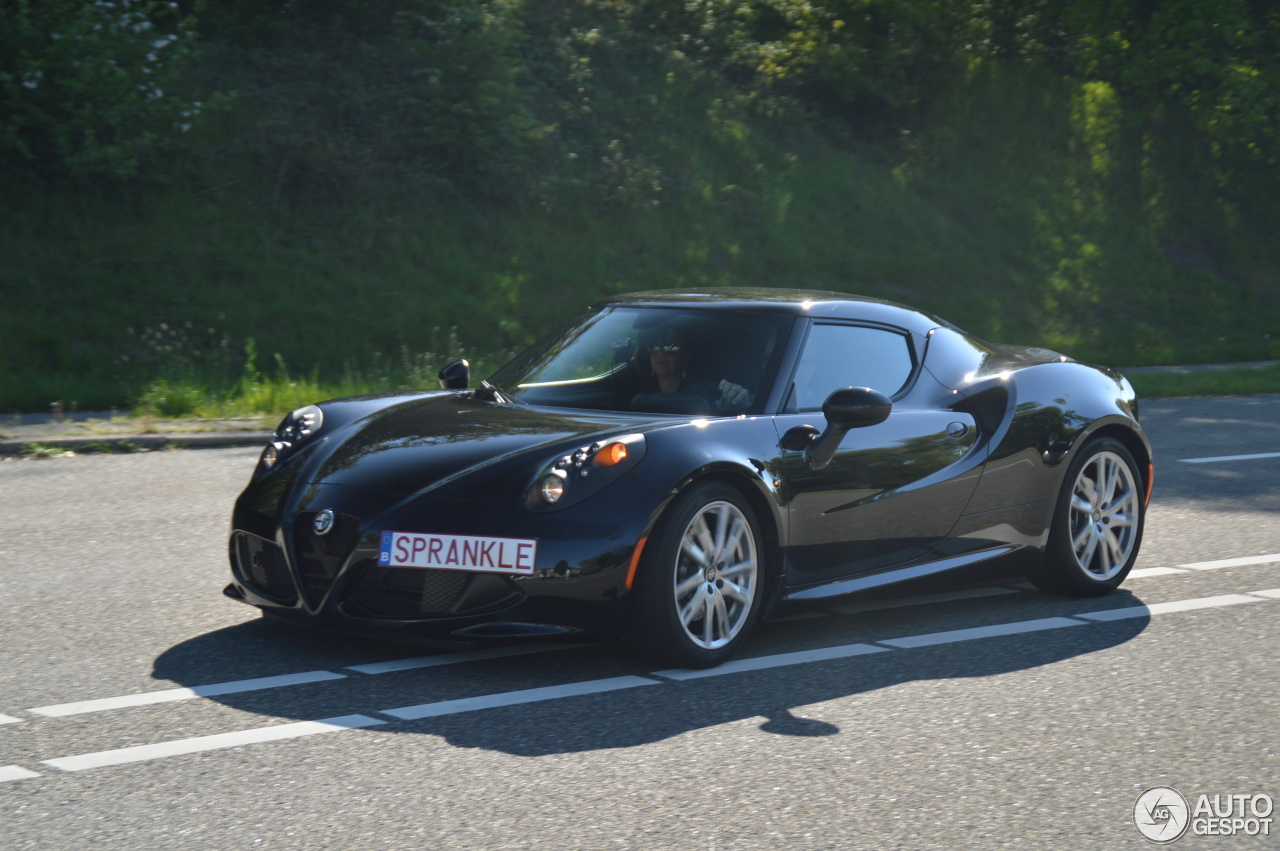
(838, 356)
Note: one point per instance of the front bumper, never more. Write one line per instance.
(334, 581)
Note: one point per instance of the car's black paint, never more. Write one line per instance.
(968, 463)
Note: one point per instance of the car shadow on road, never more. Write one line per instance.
(783, 700)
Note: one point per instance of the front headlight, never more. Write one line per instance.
(270, 456)
(574, 476)
(551, 488)
(293, 431)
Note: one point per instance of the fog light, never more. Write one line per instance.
(552, 487)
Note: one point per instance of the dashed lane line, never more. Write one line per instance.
(395, 665)
(1216, 458)
(1244, 561)
(300, 729)
(220, 741)
(15, 772)
(168, 695)
(1166, 608)
(514, 698)
(455, 658)
(952, 636)
(778, 660)
(1154, 571)
(238, 686)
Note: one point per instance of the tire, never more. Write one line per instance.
(702, 579)
(1097, 523)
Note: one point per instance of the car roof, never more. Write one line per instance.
(818, 304)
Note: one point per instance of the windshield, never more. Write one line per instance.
(660, 360)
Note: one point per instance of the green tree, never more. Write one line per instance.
(90, 89)
(336, 94)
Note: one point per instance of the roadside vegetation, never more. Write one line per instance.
(1227, 382)
(222, 208)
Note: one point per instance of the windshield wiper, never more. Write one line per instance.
(492, 393)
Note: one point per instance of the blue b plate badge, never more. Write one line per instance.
(459, 552)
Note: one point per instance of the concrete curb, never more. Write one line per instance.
(123, 443)
(1194, 369)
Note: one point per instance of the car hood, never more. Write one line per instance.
(426, 442)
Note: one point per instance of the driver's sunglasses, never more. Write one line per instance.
(673, 349)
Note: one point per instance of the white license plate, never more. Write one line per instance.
(458, 552)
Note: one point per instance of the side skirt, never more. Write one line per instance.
(902, 574)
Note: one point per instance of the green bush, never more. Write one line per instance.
(161, 398)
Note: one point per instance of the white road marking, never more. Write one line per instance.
(940, 597)
(143, 753)
(951, 636)
(280, 732)
(1229, 458)
(514, 698)
(213, 690)
(1233, 562)
(760, 663)
(740, 666)
(15, 772)
(1153, 571)
(1165, 608)
(454, 658)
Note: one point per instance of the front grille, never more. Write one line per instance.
(320, 557)
(406, 592)
(261, 565)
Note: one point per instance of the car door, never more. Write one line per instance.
(892, 491)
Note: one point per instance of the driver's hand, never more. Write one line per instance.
(732, 395)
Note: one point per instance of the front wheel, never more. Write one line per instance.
(1097, 523)
(700, 587)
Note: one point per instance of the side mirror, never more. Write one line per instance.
(455, 376)
(857, 407)
(846, 408)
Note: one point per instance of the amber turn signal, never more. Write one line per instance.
(611, 454)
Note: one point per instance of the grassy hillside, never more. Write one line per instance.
(1018, 202)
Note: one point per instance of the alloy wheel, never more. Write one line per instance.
(716, 575)
(1105, 515)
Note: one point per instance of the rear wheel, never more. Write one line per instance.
(701, 583)
(1097, 523)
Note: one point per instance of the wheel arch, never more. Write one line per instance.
(1062, 568)
(659, 625)
(1131, 440)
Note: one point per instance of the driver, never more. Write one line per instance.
(668, 364)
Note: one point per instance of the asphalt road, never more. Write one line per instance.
(970, 713)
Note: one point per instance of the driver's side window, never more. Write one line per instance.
(838, 356)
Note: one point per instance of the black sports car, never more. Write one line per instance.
(672, 465)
